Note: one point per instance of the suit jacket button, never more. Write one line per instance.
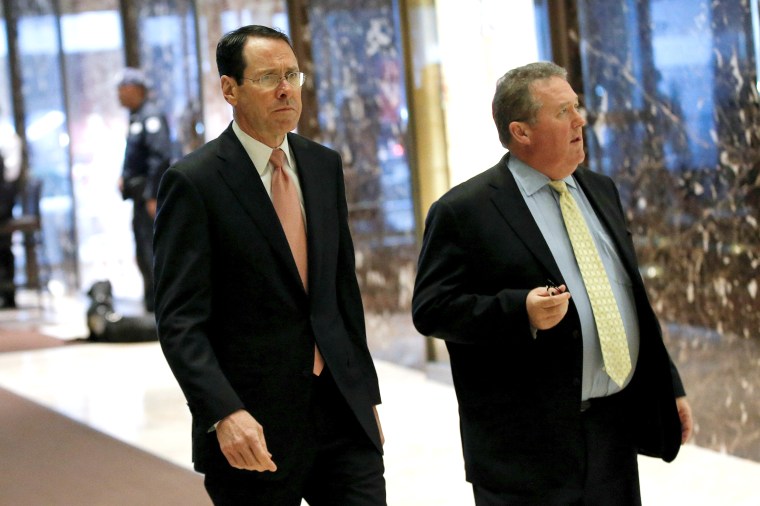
(307, 373)
(576, 334)
(576, 381)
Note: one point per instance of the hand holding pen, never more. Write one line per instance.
(547, 305)
(553, 289)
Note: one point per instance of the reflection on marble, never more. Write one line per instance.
(670, 90)
(359, 78)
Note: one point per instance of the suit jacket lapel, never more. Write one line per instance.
(512, 207)
(243, 180)
(311, 178)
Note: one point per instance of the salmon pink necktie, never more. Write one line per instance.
(288, 209)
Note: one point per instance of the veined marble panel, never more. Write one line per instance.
(672, 101)
(359, 79)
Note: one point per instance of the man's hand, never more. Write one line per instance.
(379, 427)
(687, 422)
(547, 306)
(150, 206)
(241, 439)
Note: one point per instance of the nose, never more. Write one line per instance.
(284, 88)
(580, 117)
(582, 113)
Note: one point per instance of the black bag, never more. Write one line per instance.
(134, 188)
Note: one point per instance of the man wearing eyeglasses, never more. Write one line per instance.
(258, 307)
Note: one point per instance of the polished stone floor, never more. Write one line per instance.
(127, 391)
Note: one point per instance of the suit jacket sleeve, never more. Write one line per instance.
(182, 256)
(447, 303)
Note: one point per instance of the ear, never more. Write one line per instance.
(520, 132)
(230, 90)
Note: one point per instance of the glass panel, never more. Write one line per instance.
(673, 117)
(543, 32)
(46, 132)
(6, 111)
(168, 56)
(91, 35)
(473, 58)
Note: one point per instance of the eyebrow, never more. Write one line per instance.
(273, 70)
(569, 102)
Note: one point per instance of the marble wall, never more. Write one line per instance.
(357, 64)
(670, 88)
(358, 71)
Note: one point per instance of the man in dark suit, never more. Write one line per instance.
(265, 333)
(542, 420)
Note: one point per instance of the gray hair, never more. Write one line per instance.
(513, 99)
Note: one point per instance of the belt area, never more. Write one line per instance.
(598, 402)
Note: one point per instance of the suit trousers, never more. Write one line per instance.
(142, 226)
(7, 273)
(344, 468)
(610, 466)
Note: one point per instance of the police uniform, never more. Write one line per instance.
(146, 158)
(10, 167)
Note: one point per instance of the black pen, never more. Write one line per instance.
(551, 287)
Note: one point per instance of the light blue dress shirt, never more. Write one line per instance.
(543, 203)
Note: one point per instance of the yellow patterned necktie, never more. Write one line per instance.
(609, 323)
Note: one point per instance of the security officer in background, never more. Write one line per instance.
(10, 172)
(147, 156)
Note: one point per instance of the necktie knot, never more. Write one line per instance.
(277, 158)
(559, 186)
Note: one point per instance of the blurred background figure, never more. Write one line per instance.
(146, 157)
(10, 170)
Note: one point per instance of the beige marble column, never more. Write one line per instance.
(428, 158)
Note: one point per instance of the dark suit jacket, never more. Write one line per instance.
(519, 397)
(234, 321)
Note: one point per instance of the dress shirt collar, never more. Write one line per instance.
(258, 151)
(529, 179)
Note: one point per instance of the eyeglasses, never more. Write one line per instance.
(272, 81)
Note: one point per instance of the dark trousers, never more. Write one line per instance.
(7, 262)
(142, 226)
(611, 472)
(7, 273)
(345, 468)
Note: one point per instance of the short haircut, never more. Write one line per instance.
(513, 99)
(230, 59)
